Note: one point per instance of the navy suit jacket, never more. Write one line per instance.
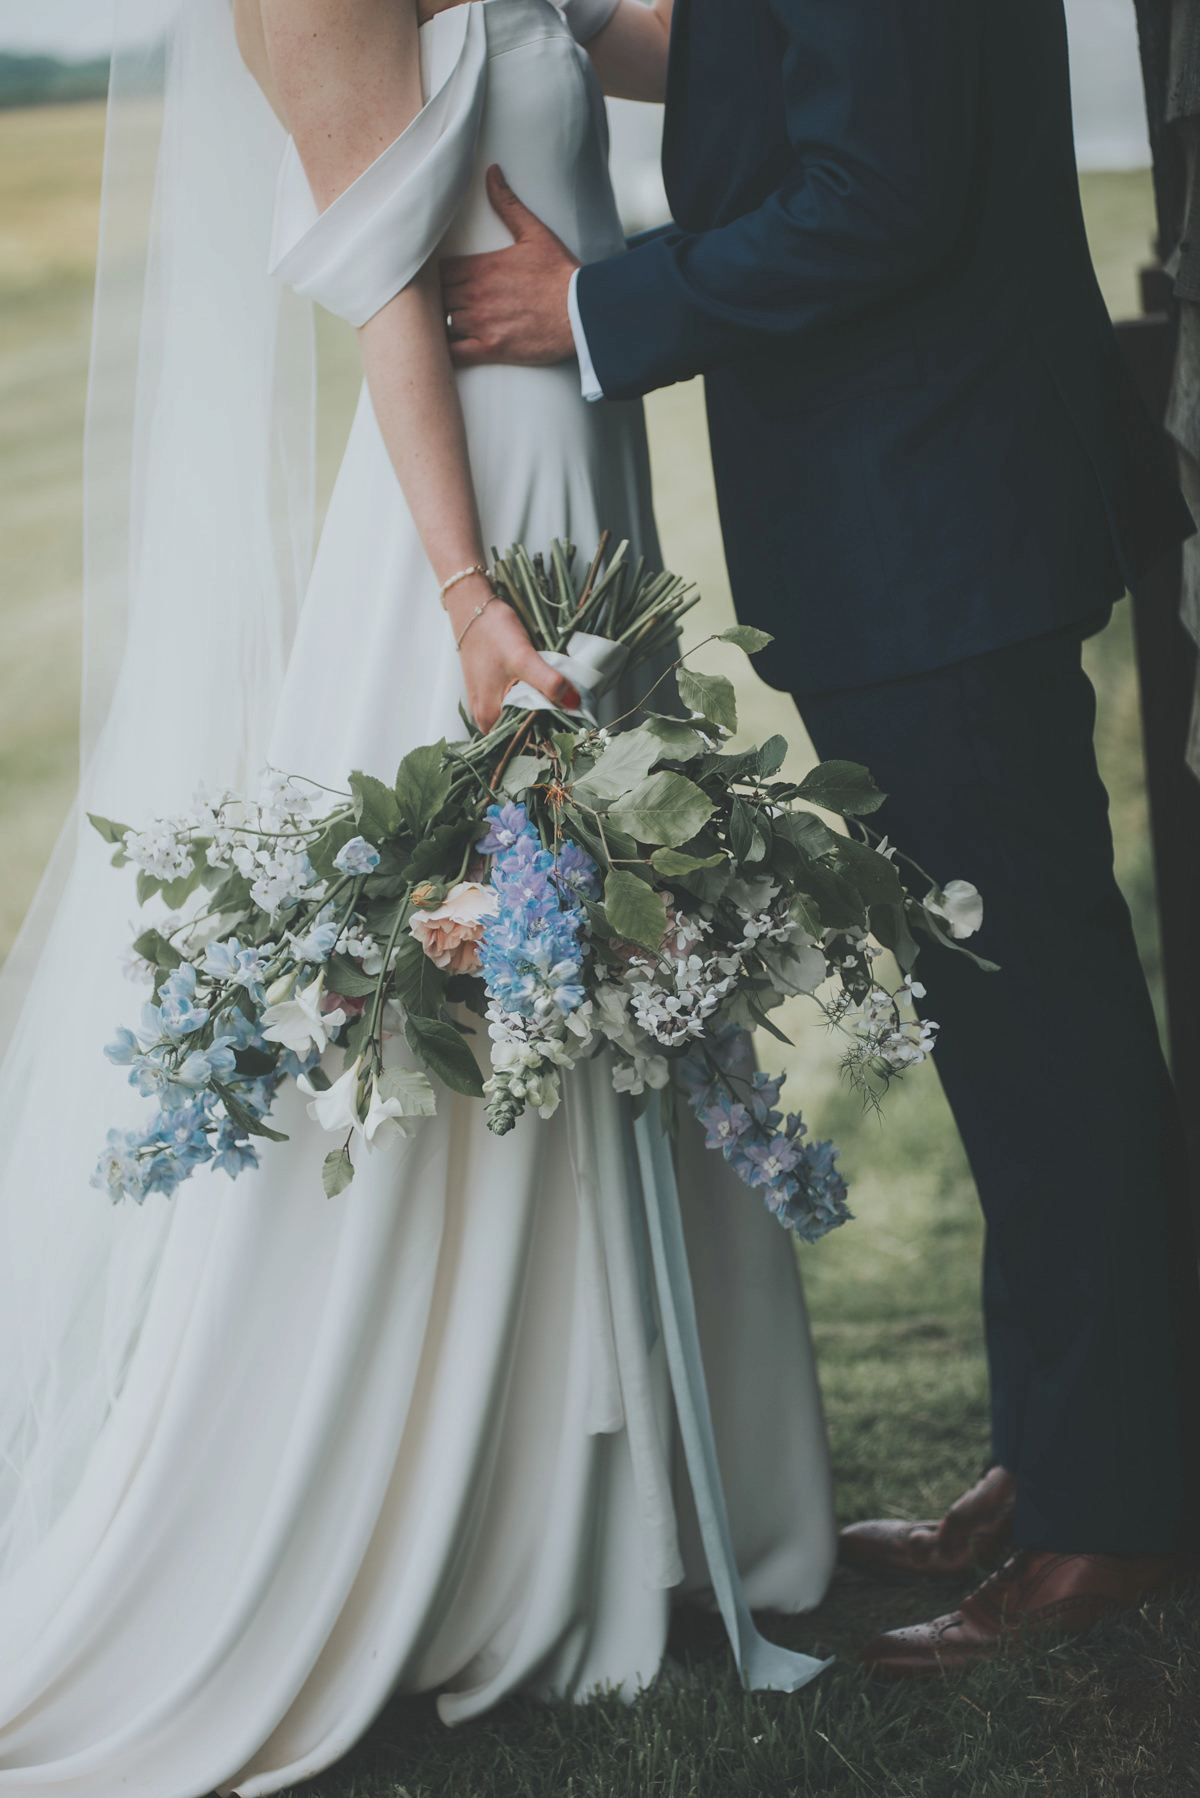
(926, 441)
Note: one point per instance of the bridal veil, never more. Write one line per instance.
(198, 536)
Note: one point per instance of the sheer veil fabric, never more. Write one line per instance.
(265, 1459)
(198, 528)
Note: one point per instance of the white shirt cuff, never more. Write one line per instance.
(586, 18)
(588, 383)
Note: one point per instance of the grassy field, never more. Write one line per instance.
(893, 1297)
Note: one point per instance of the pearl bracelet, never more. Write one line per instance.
(462, 575)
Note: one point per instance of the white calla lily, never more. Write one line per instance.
(299, 1023)
(960, 904)
(385, 1119)
(336, 1109)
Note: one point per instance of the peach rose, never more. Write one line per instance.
(450, 935)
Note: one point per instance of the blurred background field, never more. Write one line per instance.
(893, 1296)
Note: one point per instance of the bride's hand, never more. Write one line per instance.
(496, 653)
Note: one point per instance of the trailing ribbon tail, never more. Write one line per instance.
(762, 1665)
(594, 664)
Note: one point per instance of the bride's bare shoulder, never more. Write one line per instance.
(342, 75)
(252, 42)
(251, 30)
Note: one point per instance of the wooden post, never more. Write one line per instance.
(1166, 660)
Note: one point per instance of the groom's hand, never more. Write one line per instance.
(510, 305)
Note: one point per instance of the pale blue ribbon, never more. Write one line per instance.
(762, 1665)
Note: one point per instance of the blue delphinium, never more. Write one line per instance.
(191, 1127)
(236, 966)
(180, 1014)
(532, 951)
(799, 1182)
(505, 824)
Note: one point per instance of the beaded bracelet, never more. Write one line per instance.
(462, 575)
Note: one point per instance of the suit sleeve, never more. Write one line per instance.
(881, 100)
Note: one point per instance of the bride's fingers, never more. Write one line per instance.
(547, 680)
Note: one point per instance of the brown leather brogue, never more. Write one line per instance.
(1030, 1595)
(972, 1537)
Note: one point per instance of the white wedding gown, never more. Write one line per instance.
(417, 1438)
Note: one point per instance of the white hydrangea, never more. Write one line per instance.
(163, 850)
(365, 949)
(676, 1011)
(638, 1067)
(897, 1042)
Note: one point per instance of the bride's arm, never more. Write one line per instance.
(629, 52)
(344, 76)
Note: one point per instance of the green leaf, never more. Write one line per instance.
(147, 886)
(346, 977)
(770, 757)
(422, 785)
(444, 1053)
(585, 830)
(233, 894)
(622, 766)
(177, 892)
(709, 884)
(671, 861)
(933, 926)
(522, 772)
(112, 833)
(441, 848)
(802, 911)
(242, 1116)
(679, 740)
(729, 769)
(597, 919)
(709, 694)
(845, 787)
(376, 808)
(871, 873)
(153, 946)
(417, 1098)
(838, 902)
(337, 1171)
(353, 1037)
(634, 910)
(468, 990)
(746, 637)
(318, 1079)
(763, 1022)
(416, 982)
(745, 838)
(807, 832)
(667, 808)
(889, 926)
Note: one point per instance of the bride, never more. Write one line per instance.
(267, 1458)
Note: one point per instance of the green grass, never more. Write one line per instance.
(893, 1296)
(1114, 1716)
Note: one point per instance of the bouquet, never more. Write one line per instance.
(571, 886)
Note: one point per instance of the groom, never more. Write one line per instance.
(935, 478)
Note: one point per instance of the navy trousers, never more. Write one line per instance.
(1056, 1079)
